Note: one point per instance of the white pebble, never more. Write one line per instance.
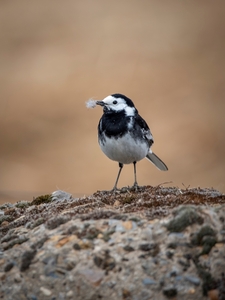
(70, 294)
(45, 291)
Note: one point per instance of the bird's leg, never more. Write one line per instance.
(118, 176)
(135, 176)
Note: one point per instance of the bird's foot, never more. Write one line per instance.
(125, 189)
(135, 187)
(122, 190)
(115, 190)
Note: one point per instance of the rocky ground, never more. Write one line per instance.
(154, 243)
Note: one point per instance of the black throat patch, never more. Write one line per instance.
(114, 124)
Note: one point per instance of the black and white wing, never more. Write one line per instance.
(144, 130)
(146, 134)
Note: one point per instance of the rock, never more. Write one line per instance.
(126, 294)
(56, 221)
(14, 241)
(152, 248)
(195, 280)
(26, 260)
(93, 276)
(61, 195)
(148, 281)
(17, 277)
(65, 240)
(89, 249)
(128, 248)
(128, 225)
(2, 275)
(76, 246)
(45, 291)
(4, 223)
(9, 266)
(213, 294)
(170, 291)
(70, 294)
(184, 216)
(105, 261)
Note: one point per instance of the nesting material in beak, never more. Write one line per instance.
(91, 103)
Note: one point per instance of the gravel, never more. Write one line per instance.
(156, 243)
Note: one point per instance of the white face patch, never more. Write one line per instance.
(129, 111)
(118, 104)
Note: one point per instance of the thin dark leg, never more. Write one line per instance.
(135, 175)
(118, 176)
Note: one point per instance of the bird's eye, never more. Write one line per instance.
(114, 102)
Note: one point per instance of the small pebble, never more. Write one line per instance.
(9, 266)
(70, 294)
(17, 278)
(128, 248)
(195, 280)
(214, 295)
(170, 291)
(5, 223)
(2, 261)
(26, 260)
(148, 281)
(2, 275)
(191, 291)
(45, 291)
(61, 195)
(93, 276)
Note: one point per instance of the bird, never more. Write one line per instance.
(124, 136)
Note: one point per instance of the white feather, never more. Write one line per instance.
(91, 103)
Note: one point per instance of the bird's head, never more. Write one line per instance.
(117, 103)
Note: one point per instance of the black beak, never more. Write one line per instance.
(100, 103)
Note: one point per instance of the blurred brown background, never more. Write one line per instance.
(167, 56)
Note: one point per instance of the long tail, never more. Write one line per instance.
(156, 161)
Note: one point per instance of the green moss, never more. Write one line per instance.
(205, 237)
(42, 199)
(172, 245)
(197, 238)
(56, 221)
(208, 243)
(37, 222)
(16, 241)
(127, 199)
(89, 233)
(6, 206)
(107, 234)
(5, 218)
(184, 216)
(135, 219)
(105, 261)
(208, 282)
(26, 259)
(22, 204)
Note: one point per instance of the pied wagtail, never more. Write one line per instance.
(123, 135)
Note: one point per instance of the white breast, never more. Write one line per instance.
(125, 149)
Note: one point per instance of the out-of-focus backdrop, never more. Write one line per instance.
(167, 56)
